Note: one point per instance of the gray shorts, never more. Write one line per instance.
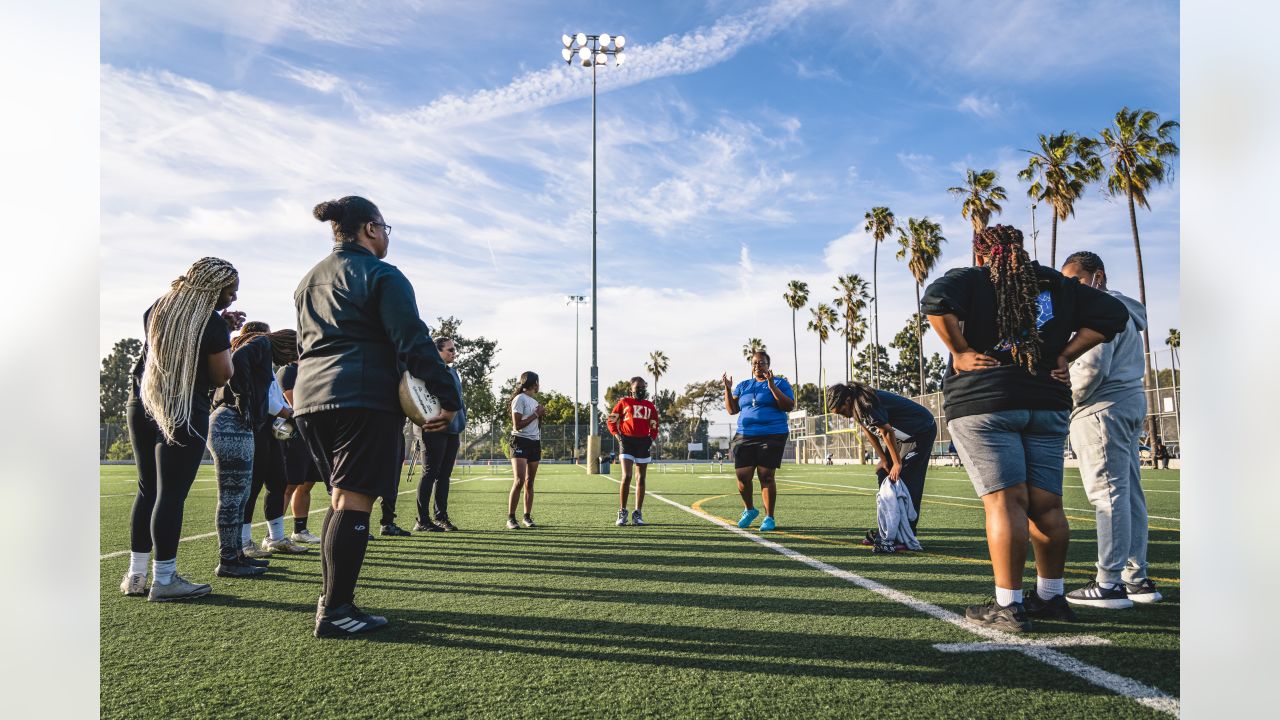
(1011, 447)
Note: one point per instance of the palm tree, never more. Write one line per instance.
(797, 295)
(824, 319)
(753, 346)
(657, 367)
(880, 225)
(1174, 341)
(922, 241)
(853, 299)
(1059, 172)
(980, 193)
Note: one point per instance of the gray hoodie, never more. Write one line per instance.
(1112, 371)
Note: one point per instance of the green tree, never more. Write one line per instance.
(657, 367)
(1174, 341)
(697, 399)
(870, 356)
(796, 296)
(921, 244)
(824, 320)
(616, 392)
(752, 346)
(880, 224)
(909, 372)
(1059, 172)
(113, 380)
(853, 302)
(121, 449)
(981, 198)
(810, 398)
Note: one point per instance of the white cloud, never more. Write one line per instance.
(980, 106)
(317, 80)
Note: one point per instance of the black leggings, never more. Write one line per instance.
(268, 470)
(165, 474)
(439, 451)
(915, 465)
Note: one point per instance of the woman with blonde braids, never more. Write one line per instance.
(1007, 399)
(186, 356)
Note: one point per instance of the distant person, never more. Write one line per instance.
(761, 403)
(439, 452)
(186, 356)
(1162, 455)
(526, 447)
(900, 431)
(301, 472)
(1007, 400)
(1110, 407)
(254, 326)
(358, 328)
(634, 422)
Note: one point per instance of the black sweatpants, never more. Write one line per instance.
(165, 475)
(269, 472)
(915, 454)
(439, 451)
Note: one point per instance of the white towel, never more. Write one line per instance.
(894, 514)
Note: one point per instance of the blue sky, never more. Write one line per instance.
(738, 149)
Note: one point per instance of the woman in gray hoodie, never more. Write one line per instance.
(1106, 421)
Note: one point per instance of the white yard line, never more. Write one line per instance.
(1041, 650)
(202, 536)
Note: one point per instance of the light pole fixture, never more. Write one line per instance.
(576, 301)
(592, 51)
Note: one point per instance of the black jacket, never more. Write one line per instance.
(358, 330)
(969, 295)
(248, 388)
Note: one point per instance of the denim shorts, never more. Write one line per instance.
(1010, 447)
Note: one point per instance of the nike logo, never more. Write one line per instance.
(362, 527)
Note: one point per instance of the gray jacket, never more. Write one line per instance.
(358, 329)
(1111, 372)
(459, 421)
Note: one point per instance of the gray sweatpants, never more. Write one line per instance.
(231, 444)
(1106, 442)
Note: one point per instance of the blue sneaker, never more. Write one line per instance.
(768, 524)
(748, 516)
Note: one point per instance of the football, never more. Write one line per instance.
(417, 403)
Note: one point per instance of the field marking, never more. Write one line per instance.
(202, 536)
(1036, 649)
(1075, 641)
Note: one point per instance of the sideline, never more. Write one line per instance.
(1041, 650)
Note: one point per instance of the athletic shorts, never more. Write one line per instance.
(1006, 448)
(637, 449)
(299, 468)
(758, 450)
(356, 448)
(525, 449)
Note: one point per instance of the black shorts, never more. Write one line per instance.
(637, 449)
(299, 468)
(758, 450)
(523, 448)
(355, 448)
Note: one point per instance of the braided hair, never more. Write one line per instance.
(284, 344)
(1017, 289)
(174, 332)
(863, 396)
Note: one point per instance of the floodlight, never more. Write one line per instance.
(619, 41)
(582, 38)
(604, 39)
(584, 53)
(567, 54)
(566, 40)
(601, 58)
(620, 58)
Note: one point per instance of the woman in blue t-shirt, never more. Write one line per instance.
(761, 404)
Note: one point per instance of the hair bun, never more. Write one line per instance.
(329, 210)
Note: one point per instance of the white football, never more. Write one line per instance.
(418, 404)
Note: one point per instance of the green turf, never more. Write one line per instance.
(581, 619)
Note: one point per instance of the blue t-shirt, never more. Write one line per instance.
(759, 411)
(909, 418)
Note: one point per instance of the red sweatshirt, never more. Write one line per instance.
(637, 418)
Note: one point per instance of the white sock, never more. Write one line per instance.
(1108, 586)
(1047, 588)
(275, 528)
(246, 533)
(1006, 597)
(138, 562)
(162, 571)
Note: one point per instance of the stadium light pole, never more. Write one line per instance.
(577, 301)
(592, 51)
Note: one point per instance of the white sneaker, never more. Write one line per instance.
(283, 545)
(622, 517)
(179, 588)
(637, 518)
(528, 521)
(134, 585)
(305, 537)
(512, 524)
(251, 551)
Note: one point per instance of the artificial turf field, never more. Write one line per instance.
(682, 618)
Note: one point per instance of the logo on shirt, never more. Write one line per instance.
(1045, 305)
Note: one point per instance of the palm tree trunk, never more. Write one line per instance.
(820, 388)
(919, 340)
(875, 291)
(1053, 243)
(795, 348)
(1146, 333)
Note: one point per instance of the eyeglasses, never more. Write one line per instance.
(385, 227)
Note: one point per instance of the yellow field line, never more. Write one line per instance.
(697, 506)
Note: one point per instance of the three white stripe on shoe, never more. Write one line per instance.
(350, 624)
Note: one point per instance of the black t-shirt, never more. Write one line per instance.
(910, 419)
(247, 392)
(1065, 307)
(286, 376)
(215, 338)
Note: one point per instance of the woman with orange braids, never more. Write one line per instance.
(1012, 327)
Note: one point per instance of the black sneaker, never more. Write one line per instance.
(1055, 608)
(870, 538)
(443, 521)
(255, 562)
(884, 546)
(429, 527)
(347, 621)
(237, 568)
(395, 530)
(1010, 618)
(1094, 595)
(1143, 591)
